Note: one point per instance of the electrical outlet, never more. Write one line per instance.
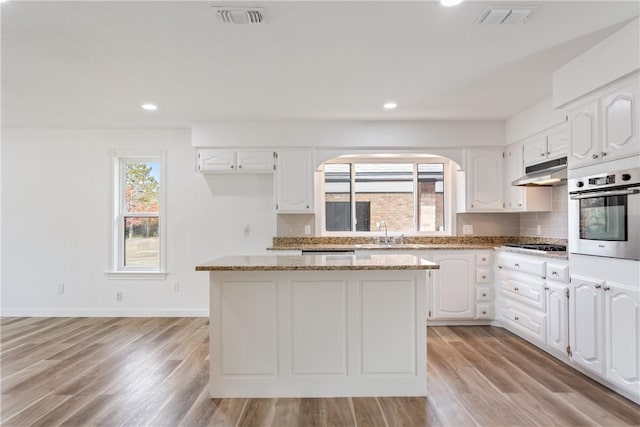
(539, 230)
(176, 287)
(307, 230)
(467, 229)
(61, 288)
(119, 296)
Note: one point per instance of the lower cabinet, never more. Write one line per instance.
(557, 302)
(462, 289)
(586, 323)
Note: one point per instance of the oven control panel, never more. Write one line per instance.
(623, 178)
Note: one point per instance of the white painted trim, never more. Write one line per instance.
(136, 275)
(130, 312)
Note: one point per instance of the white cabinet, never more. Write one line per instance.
(620, 122)
(552, 145)
(484, 180)
(586, 326)
(605, 128)
(622, 336)
(521, 199)
(557, 303)
(216, 161)
(453, 286)
(294, 181)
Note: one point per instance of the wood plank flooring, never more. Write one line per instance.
(154, 371)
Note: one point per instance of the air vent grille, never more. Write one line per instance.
(240, 15)
(505, 15)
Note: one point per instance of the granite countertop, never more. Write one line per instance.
(373, 246)
(555, 255)
(318, 262)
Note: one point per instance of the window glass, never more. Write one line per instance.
(384, 192)
(141, 243)
(431, 197)
(141, 187)
(337, 188)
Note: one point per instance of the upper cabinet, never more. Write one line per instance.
(520, 199)
(605, 128)
(484, 180)
(553, 145)
(294, 181)
(217, 161)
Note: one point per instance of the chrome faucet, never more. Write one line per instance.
(386, 237)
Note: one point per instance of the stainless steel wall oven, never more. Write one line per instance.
(604, 214)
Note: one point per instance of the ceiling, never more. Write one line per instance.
(92, 64)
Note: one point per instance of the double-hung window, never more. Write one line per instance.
(138, 215)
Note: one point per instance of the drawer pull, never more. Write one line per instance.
(484, 277)
(606, 288)
(546, 288)
(484, 259)
(515, 289)
(516, 265)
(484, 312)
(484, 295)
(598, 286)
(516, 318)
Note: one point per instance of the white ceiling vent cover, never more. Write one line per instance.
(240, 15)
(505, 15)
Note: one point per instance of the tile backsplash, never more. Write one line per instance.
(552, 224)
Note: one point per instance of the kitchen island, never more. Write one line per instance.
(318, 325)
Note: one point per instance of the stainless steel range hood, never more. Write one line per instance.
(545, 174)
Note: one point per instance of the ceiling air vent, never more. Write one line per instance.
(505, 15)
(240, 15)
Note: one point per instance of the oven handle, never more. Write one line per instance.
(605, 193)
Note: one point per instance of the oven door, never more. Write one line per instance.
(605, 223)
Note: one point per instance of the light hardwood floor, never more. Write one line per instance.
(153, 371)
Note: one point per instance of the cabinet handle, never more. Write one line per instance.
(516, 265)
(546, 288)
(606, 288)
(594, 156)
(484, 277)
(542, 154)
(231, 166)
(554, 273)
(484, 312)
(598, 286)
(548, 153)
(239, 166)
(603, 154)
(484, 295)
(515, 289)
(516, 318)
(472, 205)
(307, 206)
(519, 205)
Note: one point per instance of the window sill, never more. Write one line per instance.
(136, 275)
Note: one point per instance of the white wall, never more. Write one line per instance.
(537, 118)
(55, 223)
(616, 56)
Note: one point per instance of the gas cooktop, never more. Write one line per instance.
(541, 247)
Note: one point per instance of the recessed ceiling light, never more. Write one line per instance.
(389, 105)
(450, 3)
(149, 107)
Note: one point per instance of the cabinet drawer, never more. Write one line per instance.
(484, 311)
(483, 275)
(522, 264)
(558, 273)
(527, 290)
(483, 293)
(483, 258)
(526, 322)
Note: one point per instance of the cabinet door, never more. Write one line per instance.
(294, 181)
(620, 123)
(453, 286)
(485, 180)
(557, 316)
(622, 331)
(558, 144)
(216, 161)
(515, 170)
(584, 139)
(535, 151)
(255, 161)
(586, 323)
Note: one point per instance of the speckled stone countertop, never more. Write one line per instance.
(410, 243)
(555, 255)
(318, 262)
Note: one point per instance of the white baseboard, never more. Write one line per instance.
(59, 312)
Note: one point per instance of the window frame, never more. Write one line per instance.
(448, 190)
(117, 269)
